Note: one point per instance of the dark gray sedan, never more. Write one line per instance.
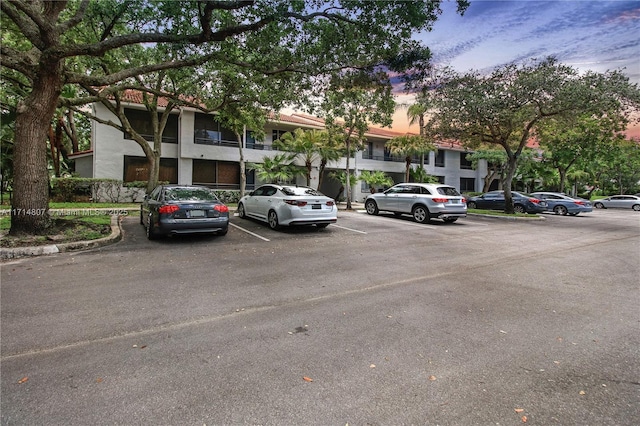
(183, 209)
(494, 200)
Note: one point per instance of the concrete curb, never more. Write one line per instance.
(18, 252)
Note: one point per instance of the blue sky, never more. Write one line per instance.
(593, 35)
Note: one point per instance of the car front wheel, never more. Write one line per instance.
(371, 207)
(471, 205)
(518, 208)
(272, 218)
(420, 214)
(598, 205)
(560, 210)
(636, 207)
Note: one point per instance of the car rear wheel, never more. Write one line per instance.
(560, 210)
(598, 205)
(272, 218)
(241, 212)
(223, 232)
(371, 207)
(519, 208)
(321, 225)
(471, 205)
(151, 233)
(141, 216)
(636, 207)
(420, 214)
(450, 219)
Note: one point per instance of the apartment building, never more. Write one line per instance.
(198, 150)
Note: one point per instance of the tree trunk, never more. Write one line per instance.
(348, 177)
(30, 207)
(407, 173)
(323, 164)
(154, 171)
(243, 168)
(512, 164)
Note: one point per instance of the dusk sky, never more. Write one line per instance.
(593, 35)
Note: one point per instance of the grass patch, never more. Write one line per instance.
(53, 205)
(63, 229)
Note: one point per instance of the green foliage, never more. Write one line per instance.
(505, 108)
(277, 169)
(407, 146)
(257, 54)
(375, 179)
(419, 174)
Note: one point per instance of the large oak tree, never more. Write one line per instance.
(47, 44)
(507, 107)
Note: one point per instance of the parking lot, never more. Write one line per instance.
(373, 320)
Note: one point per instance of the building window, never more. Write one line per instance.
(216, 174)
(208, 131)
(204, 172)
(140, 121)
(464, 163)
(467, 184)
(277, 134)
(440, 158)
(440, 179)
(251, 141)
(367, 152)
(137, 169)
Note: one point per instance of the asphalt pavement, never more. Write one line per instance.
(373, 320)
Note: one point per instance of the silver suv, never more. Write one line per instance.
(424, 201)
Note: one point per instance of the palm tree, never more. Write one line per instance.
(375, 178)
(407, 146)
(304, 144)
(279, 168)
(329, 150)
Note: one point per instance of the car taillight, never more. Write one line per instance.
(171, 208)
(579, 202)
(221, 208)
(534, 200)
(330, 203)
(296, 203)
(440, 200)
(464, 200)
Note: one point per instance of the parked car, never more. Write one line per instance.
(494, 200)
(183, 209)
(287, 205)
(424, 201)
(618, 202)
(563, 204)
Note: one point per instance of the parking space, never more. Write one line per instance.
(358, 223)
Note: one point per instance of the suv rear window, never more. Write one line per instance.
(448, 190)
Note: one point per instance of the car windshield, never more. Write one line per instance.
(448, 190)
(300, 190)
(190, 194)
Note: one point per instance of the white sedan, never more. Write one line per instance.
(287, 205)
(618, 202)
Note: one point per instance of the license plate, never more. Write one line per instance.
(455, 202)
(196, 213)
(316, 206)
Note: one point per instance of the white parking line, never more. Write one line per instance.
(348, 229)
(249, 232)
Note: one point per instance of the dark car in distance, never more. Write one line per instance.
(183, 209)
(494, 200)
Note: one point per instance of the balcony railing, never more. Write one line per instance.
(215, 142)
